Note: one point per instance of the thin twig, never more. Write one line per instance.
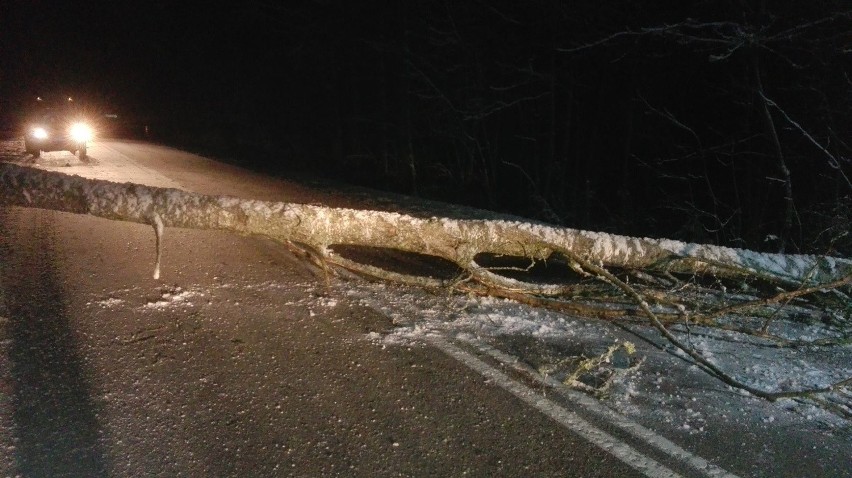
(607, 276)
(786, 297)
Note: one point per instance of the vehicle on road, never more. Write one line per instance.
(57, 130)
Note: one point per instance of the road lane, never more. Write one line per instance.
(56, 432)
(241, 361)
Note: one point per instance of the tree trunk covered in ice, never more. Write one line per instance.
(457, 241)
(633, 276)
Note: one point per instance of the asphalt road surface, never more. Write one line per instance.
(243, 361)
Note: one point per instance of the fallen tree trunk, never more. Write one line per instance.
(322, 231)
(458, 241)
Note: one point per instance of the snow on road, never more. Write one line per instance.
(656, 386)
(119, 168)
(663, 393)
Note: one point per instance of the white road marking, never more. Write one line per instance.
(577, 424)
(567, 419)
(648, 436)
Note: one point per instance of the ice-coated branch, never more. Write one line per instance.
(315, 230)
(458, 241)
(158, 230)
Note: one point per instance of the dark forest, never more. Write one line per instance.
(721, 122)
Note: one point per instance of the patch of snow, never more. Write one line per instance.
(327, 302)
(172, 297)
(110, 302)
(683, 397)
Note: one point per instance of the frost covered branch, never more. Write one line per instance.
(316, 232)
(455, 240)
(712, 368)
(458, 241)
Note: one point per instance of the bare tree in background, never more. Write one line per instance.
(724, 123)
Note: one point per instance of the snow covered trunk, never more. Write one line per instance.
(458, 241)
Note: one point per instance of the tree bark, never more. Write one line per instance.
(458, 241)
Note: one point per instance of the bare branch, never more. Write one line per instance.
(316, 230)
(832, 160)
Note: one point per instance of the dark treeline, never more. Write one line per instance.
(725, 122)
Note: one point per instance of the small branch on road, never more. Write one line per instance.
(158, 230)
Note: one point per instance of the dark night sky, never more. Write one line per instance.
(244, 58)
(245, 63)
(140, 54)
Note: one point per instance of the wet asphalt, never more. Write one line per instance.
(240, 361)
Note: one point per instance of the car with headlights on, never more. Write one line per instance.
(57, 130)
